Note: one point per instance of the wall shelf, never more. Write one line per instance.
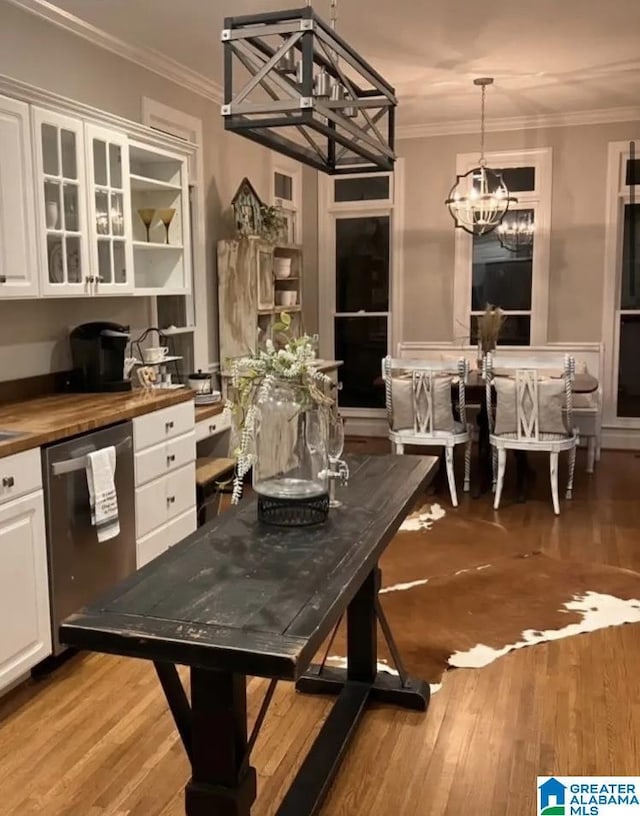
(147, 245)
(147, 184)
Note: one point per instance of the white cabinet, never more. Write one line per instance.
(61, 204)
(110, 226)
(25, 634)
(165, 479)
(18, 265)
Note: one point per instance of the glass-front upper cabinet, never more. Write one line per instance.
(61, 204)
(110, 250)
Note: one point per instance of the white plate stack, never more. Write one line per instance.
(208, 399)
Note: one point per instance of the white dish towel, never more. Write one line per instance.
(101, 471)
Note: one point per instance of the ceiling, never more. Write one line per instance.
(547, 57)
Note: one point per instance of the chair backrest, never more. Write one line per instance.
(528, 375)
(423, 374)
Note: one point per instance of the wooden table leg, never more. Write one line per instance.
(222, 783)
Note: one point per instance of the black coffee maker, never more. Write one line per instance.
(97, 354)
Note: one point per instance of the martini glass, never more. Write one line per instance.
(166, 216)
(147, 214)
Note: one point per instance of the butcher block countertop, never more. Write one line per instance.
(208, 411)
(43, 420)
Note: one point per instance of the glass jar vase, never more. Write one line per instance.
(290, 469)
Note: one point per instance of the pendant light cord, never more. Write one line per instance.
(483, 161)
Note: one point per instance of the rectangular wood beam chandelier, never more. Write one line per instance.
(295, 86)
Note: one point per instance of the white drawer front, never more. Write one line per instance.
(181, 490)
(151, 506)
(181, 526)
(164, 424)
(151, 546)
(165, 457)
(214, 425)
(20, 474)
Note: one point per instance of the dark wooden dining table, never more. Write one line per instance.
(239, 598)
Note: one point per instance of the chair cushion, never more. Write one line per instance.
(551, 402)
(542, 437)
(402, 408)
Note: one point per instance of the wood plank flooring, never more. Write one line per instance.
(96, 738)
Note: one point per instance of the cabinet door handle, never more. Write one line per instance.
(171, 458)
(168, 426)
(171, 499)
(212, 428)
(8, 481)
(3, 278)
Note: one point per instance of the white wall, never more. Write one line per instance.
(45, 55)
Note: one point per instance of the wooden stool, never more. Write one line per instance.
(216, 471)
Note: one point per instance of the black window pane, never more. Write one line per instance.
(515, 331)
(630, 289)
(283, 186)
(366, 188)
(517, 179)
(629, 367)
(362, 264)
(361, 342)
(632, 175)
(501, 269)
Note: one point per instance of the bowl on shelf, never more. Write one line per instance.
(286, 298)
(282, 268)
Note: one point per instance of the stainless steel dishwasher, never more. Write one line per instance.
(81, 567)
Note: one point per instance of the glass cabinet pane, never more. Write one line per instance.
(119, 262)
(70, 193)
(52, 205)
(102, 212)
(50, 159)
(115, 166)
(104, 261)
(100, 162)
(74, 271)
(117, 216)
(362, 264)
(55, 261)
(68, 148)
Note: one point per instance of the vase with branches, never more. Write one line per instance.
(281, 406)
(490, 324)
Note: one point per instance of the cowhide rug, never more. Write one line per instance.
(457, 599)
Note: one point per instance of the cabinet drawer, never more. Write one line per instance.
(20, 474)
(160, 459)
(164, 424)
(214, 425)
(151, 546)
(181, 526)
(181, 490)
(165, 498)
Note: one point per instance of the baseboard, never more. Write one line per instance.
(621, 438)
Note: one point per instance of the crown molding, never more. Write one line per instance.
(602, 116)
(148, 58)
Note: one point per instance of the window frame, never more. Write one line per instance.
(292, 169)
(538, 200)
(618, 195)
(329, 210)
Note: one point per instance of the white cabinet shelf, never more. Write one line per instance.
(146, 184)
(152, 245)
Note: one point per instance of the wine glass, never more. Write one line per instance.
(147, 214)
(335, 446)
(166, 216)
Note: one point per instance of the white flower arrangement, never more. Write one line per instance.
(290, 360)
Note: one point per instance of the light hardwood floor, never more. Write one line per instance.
(96, 738)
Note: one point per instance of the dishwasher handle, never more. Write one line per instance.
(80, 462)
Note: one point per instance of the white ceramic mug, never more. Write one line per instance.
(154, 354)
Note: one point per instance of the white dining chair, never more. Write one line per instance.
(533, 412)
(420, 409)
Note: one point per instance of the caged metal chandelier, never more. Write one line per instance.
(295, 86)
(479, 199)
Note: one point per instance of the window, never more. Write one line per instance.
(508, 267)
(286, 184)
(621, 316)
(358, 250)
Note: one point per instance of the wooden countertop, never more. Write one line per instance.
(208, 411)
(47, 419)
